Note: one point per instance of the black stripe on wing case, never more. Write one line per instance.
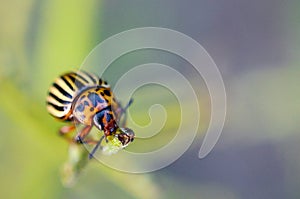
(67, 83)
(82, 78)
(59, 108)
(91, 77)
(58, 99)
(76, 82)
(62, 91)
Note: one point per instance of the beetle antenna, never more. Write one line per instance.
(123, 111)
(128, 104)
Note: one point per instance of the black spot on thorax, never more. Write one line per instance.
(107, 92)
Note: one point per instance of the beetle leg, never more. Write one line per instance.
(122, 111)
(90, 142)
(65, 130)
(79, 138)
(96, 147)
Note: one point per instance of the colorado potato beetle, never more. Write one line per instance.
(84, 98)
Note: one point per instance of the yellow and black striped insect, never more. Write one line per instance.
(83, 98)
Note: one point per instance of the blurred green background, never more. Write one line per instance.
(256, 46)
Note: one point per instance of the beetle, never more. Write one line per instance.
(84, 98)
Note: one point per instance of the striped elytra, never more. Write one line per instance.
(66, 88)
